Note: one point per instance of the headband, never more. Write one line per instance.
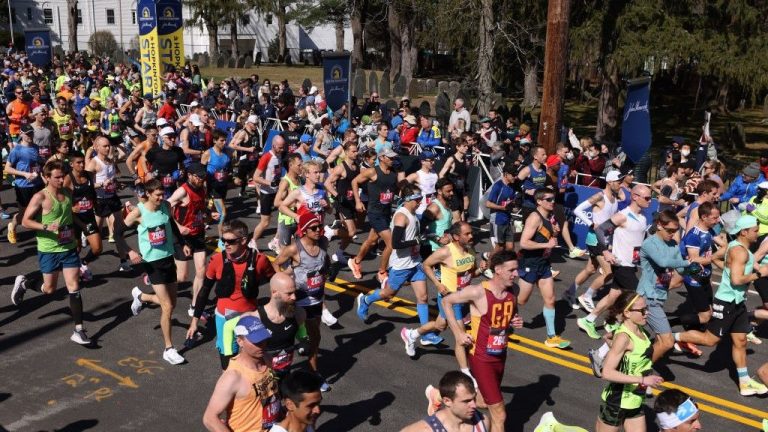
(684, 412)
(413, 197)
(629, 305)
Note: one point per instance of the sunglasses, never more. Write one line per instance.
(314, 228)
(232, 241)
(671, 230)
(550, 199)
(643, 310)
(647, 198)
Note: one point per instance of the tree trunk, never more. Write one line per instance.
(608, 104)
(555, 56)
(233, 37)
(213, 39)
(72, 24)
(282, 42)
(339, 35)
(357, 23)
(395, 44)
(722, 96)
(531, 84)
(485, 59)
(407, 43)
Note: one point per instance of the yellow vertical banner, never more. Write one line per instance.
(170, 34)
(149, 48)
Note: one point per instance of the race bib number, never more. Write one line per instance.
(385, 197)
(168, 181)
(636, 256)
(497, 341)
(114, 127)
(110, 187)
(315, 284)
(65, 235)
(282, 360)
(64, 129)
(44, 152)
(220, 176)
(463, 280)
(350, 195)
(84, 204)
(157, 236)
(271, 412)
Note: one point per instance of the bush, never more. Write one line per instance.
(273, 51)
(18, 38)
(102, 43)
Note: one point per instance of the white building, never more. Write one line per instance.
(255, 31)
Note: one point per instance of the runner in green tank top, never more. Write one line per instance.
(286, 225)
(438, 217)
(49, 214)
(729, 308)
(627, 367)
(156, 233)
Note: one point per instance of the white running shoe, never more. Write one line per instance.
(79, 337)
(19, 289)
(274, 246)
(586, 303)
(410, 346)
(252, 244)
(136, 305)
(328, 318)
(172, 356)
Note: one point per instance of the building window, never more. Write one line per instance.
(245, 20)
(48, 16)
(79, 17)
(110, 16)
(29, 14)
(133, 16)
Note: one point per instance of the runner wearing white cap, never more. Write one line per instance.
(247, 143)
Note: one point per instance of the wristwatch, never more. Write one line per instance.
(45, 227)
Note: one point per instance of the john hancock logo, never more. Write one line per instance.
(336, 73)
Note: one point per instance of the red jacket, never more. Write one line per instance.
(590, 168)
(409, 134)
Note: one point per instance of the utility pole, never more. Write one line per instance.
(555, 55)
(10, 23)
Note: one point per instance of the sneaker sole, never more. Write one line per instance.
(15, 292)
(586, 329)
(79, 341)
(404, 337)
(593, 363)
(561, 345)
(752, 392)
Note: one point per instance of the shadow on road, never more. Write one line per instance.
(527, 400)
(350, 416)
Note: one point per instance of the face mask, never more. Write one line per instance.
(685, 152)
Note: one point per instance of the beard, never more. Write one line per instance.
(285, 308)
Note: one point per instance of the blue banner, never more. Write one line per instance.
(38, 47)
(576, 194)
(636, 125)
(336, 79)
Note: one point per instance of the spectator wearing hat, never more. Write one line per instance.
(487, 133)
(305, 145)
(429, 134)
(292, 135)
(409, 132)
(744, 186)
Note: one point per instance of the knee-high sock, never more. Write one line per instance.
(423, 311)
(549, 319)
(76, 305)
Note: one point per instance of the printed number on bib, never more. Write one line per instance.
(282, 361)
(315, 284)
(385, 197)
(110, 187)
(350, 195)
(157, 236)
(636, 256)
(85, 204)
(65, 235)
(497, 341)
(64, 129)
(662, 280)
(220, 176)
(168, 181)
(271, 411)
(463, 279)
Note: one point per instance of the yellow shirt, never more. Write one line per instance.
(459, 274)
(63, 124)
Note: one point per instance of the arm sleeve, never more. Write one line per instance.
(202, 297)
(581, 211)
(398, 238)
(604, 233)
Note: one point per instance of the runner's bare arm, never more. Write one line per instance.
(223, 395)
(290, 200)
(436, 258)
(471, 294)
(367, 175)
(330, 183)
(35, 206)
(286, 254)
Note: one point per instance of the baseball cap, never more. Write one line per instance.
(388, 152)
(313, 90)
(252, 119)
(161, 121)
(426, 155)
(194, 104)
(410, 119)
(167, 131)
(252, 329)
(744, 222)
(148, 96)
(307, 220)
(553, 160)
(27, 129)
(306, 138)
(195, 120)
(39, 110)
(613, 176)
(197, 169)
(485, 120)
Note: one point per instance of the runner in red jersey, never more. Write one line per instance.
(493, 311)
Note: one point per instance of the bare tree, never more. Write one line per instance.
(72, 24)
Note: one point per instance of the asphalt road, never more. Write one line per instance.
(121, 382)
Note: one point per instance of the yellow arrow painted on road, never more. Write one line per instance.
(94, 366)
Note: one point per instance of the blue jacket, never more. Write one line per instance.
(743, 191)
(429, 138)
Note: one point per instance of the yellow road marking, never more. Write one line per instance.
(93, 365)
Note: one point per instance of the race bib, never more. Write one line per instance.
(157, 236)
(282, 361)
(44, 152)
(24, 121)
(271, 413)
(34, 168)
(385, 197)
(252, 156)
(636, 256)
(428, 199)
(168, 181)
(350, 195)
(315, 284)
(220, 176)
(84, 204)
(110, 187)
(64, 129)
(497, 341)
(114, 127)
(65, 235)
(463, 279)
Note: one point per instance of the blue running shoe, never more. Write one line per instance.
(431, 339)
(362, 307)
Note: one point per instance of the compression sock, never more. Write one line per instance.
(89, 257)
(603, 350)
(743, 375)
(373, 297)
(422, 309)
(76, 305)
(34, 283)
(549, 319)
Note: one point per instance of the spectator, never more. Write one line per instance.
(429, 135)
(744, 186)
(459, 112)
(488, 134)
(409, 132)
(589, 163)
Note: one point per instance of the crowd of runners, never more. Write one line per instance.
(84, 146)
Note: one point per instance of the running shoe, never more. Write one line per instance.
(752, 338)
(596, 362)
(434, 401)
(589, 327)
(557, 342)
(586, 303)
(752, 387)
(111, 238)
(555, 273)
(191, 311)
(486, 256)
(410, 346)
(136, 304)
(547, 423)
(431, 339)
(488, 273)
(355, 268)
(252, 244)
(324, 387)
(570, 298)
(274, 246)
(79, 337)
(19, 289)
(576, 253)
(85, 273)
(362, 307)
(4, 215)
(328, 319)
(765, 425)
(125, 266)
(172, 356)
(329, 232)
(12, 233)
(688, 348)
(335, 268)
